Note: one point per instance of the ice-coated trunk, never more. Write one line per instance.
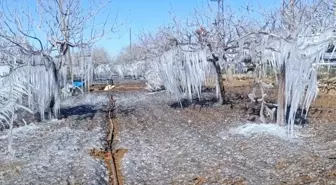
(229, 73)
(220, 82)
(68, 54)
(10, 134)
(281, 95)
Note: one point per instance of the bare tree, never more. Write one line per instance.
(149, 46)
(100, 56)
(54, 28)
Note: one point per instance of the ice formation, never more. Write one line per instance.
(13, 88)
(135, 69)
(45, 87)
(83, 68)
(299, 55)
(148, 69)
(35, 83)
(104, 71)
(301, 75)
(152, 76)
(185, 72)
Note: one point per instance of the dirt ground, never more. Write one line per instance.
(323, 109)
(211, 144)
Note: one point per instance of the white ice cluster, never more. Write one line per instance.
(29, 87)
(185, 72)
(299, 55)
(152, 76)
(134, 69)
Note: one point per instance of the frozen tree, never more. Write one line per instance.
(152, 75)
(13, 87)
(105, 71)
(294, 45)
(83, 67)
(131, 54)
(36, 46)
(184, 72)
(100, 56)
(134, 69)
(148, 46)
(54, 29)
(155, 44)
(215, 34)
(203, 33)
(142, 59)
(73, 20)
(292, 39)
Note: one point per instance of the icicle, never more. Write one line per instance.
(299, 56)
(184, 73)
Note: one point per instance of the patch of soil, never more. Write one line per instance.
(323, 109)
(118, 155)
(121, 87)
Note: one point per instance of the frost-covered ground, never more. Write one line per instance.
(168, 145)
(216, 145)
(58, 152)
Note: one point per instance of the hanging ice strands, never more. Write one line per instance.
(185, 72)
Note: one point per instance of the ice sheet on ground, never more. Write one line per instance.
(57, 152)
(253, 128)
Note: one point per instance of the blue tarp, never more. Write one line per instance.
(78, 84)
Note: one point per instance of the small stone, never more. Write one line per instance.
(331, 174)
(304, 179)
(18, 169)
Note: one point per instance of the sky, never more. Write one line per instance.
(144, 15)
(148, 15)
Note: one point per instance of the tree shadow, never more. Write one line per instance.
(87, 111)
(299, 118)
(184, 103)
(208, 89)
(125, 111)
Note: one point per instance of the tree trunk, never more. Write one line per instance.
(220, 82)
(281, 95)
(71, 65)
(229, 73)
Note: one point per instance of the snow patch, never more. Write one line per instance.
(19, 131)
(250, 129)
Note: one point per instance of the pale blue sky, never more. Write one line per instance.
(150, 14)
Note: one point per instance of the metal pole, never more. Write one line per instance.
(130, 37)
(222, 16)
(220, 8)
(334, 6)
